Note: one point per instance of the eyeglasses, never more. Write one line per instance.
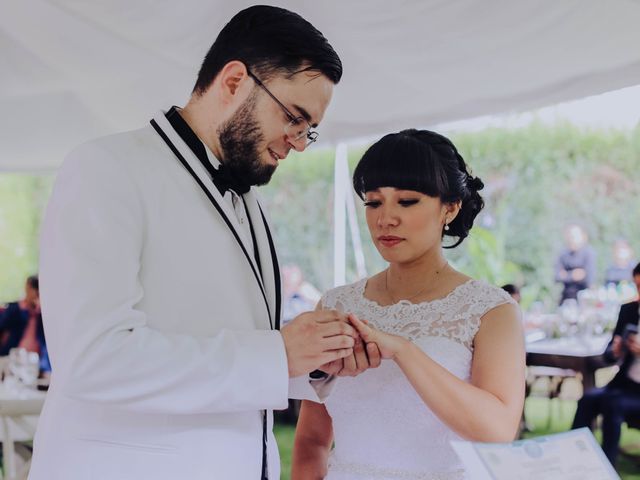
(298, 127)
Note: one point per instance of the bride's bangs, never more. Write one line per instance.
(401, 162)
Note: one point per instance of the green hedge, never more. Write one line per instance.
(538, 178)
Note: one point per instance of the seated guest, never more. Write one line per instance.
(621, 397)
(575, 267)
(512, 290)
(299, 295)
(622, 264)
(21, 325)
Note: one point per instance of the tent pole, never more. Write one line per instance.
(354, 229)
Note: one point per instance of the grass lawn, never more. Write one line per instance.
(284, 435)
(537, 410)
(562, 412)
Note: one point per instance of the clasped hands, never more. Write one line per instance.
(336, 343)
(365, 355)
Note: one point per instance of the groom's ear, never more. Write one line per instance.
(234, 83)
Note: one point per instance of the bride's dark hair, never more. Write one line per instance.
(426, 162)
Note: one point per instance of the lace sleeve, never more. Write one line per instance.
(486, 298)
(331, 299)
(328, 300)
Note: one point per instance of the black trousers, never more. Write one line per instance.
(615, 404)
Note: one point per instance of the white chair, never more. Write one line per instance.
(19, 411)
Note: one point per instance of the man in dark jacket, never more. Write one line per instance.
(620, 398)
(575, 268)
(21, 325)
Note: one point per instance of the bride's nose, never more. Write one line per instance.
(387, 217)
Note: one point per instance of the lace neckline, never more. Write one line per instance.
(361, 286)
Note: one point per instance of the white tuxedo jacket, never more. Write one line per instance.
(157, 326)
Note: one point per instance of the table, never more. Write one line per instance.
(19, 411)
(584, 354)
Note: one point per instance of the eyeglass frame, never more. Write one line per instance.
(311, 135)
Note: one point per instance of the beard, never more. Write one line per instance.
(239, 139)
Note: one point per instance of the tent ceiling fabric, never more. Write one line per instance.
(71, 70)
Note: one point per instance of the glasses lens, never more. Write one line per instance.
(297, 128)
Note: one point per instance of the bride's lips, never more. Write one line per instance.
(389, 240)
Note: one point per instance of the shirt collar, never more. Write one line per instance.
(197, 146)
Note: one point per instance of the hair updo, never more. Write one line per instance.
(426, 162)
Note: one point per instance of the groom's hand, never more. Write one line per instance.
(317, 338)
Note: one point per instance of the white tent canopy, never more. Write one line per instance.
(71, 69)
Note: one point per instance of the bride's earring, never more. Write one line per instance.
(446, 226)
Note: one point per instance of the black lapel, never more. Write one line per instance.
(253, 239)
(276, 269)
(213, 201)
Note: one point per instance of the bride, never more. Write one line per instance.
(453, 348)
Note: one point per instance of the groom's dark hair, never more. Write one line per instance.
(269, 41)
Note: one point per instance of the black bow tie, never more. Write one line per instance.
(225, 180)
(222, 177)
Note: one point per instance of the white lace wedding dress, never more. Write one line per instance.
(382, 429)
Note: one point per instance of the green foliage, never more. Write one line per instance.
(486, 257)
(300, 201)
(22, 200)
(540, 178)
(537, 179)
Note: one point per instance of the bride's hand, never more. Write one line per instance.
(388, 344)
(364, 357)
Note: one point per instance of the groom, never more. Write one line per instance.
(159, 277)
